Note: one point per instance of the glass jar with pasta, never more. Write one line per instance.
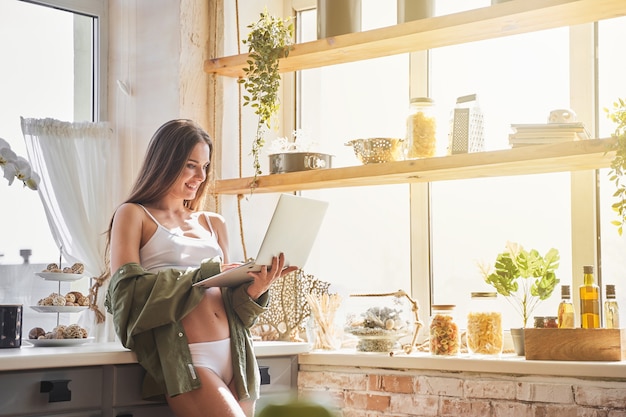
(444, 332)
(421, 129)
(484, 325)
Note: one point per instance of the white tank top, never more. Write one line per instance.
(171, 249)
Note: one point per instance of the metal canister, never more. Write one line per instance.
(11, 325)
(299, 161)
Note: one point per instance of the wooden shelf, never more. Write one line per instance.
(569, 156)
(509, 18)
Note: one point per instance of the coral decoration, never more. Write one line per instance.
(288, 309)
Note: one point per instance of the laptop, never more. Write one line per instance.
(292, 231)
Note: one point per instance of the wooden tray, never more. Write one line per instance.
(575, 344)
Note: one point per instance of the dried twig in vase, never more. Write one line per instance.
(323, 309)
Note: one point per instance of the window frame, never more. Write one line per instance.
(90, 46)
(98, 9)
(584, 184)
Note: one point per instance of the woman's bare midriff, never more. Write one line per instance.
(208, 321)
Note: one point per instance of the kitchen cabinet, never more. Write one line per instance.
(94, 391)
(113, 390)
(104, 380)
(279, 376)
(508, 18)
(52, 392)
(126, 399)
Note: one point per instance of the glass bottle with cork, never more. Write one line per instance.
(611, 308)
(589, 300)
(566, 309)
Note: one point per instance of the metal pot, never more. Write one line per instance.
(10, 325)
(298, 161)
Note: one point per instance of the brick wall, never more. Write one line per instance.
(375, 392)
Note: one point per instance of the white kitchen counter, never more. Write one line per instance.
(94, 354)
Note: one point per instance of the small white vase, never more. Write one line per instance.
(518, 340)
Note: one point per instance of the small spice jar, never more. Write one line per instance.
(539, 322)
(484, 325)
(551, 322)
(444, 332)
(421, 125)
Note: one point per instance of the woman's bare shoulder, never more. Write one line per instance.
(217, 222)
(129, 210)
(129, 213)
(214, 217)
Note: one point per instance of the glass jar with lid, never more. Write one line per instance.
(382, 322)
(444, 337)
(551, 322)
(484, 325)
(421, 129)
(539, 322)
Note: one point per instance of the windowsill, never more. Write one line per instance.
(506, 364)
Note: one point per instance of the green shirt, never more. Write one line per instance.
(147, 308)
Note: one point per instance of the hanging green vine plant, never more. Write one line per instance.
(617, 173)
(269, 40)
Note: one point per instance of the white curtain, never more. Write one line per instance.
(80, 188)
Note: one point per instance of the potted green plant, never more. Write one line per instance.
(618, 165)
(269, 40)
(524, 278)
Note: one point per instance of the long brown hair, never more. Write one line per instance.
(166, 156)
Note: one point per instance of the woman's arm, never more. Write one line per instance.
(126, 235)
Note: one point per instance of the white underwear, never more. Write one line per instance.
(214, 356)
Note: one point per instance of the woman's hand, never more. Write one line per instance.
(264, 278)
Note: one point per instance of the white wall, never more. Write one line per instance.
(156, 51)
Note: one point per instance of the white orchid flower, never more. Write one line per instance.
(4, 144)
(14, 166)
(10, 171)
(6, 154)
(23, 169)
(19, 168)
(33, 181)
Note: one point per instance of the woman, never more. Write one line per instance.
(193, 342)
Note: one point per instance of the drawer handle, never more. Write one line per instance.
(57, 390)
(265, 375)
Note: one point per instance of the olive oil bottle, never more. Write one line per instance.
(589, 300)
(611, 309)
(566, 309)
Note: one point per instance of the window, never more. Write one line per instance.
(50, 69)
(366, 230)
(472, 220)
(518, 79)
